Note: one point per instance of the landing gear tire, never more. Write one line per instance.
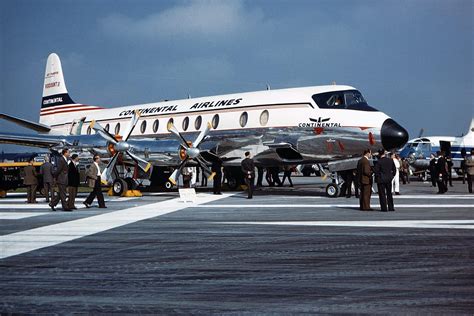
(168, 185)
(332, 190)
(232, 183)
(119, 187)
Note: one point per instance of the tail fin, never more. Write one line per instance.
(55, 95)
(471, 127)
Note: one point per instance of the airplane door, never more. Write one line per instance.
(76, 126)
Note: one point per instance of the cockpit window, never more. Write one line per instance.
(349, 99)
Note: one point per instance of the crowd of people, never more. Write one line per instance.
(61, 181)
(387, 172)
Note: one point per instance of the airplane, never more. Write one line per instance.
(418, 150)
(305, 125)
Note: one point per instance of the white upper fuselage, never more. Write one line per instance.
(286, 108)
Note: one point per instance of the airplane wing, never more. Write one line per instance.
(32, 140)
(25, 123)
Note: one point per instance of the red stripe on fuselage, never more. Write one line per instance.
(65, 111)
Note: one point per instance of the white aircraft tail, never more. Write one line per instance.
(471, 128)
(55, 96)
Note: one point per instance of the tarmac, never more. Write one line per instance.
(286, 251)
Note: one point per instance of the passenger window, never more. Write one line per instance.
(156, 124)
(198, 122)
(243, 119)
(264, 118)
(170, 123)
(107, 127)
(185, 123)
(143, 127)
(117, 129)
(215, 121)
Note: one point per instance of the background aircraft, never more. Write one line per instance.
(288, 126)
(418, 150)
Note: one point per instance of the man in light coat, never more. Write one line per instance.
(94, 181)
(31, 181)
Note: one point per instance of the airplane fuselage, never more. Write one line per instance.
(286, 125)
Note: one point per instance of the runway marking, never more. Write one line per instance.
(20, 215)
(433, 196)
(33, 239)
(330, 206)
(26, 206)
(445, 224)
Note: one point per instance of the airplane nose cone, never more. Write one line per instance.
(393, 135)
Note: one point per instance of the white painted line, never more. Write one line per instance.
(38, 206)
(331, 206)
(29, 240)
(446, 224)
(433, 196)
(19, 215)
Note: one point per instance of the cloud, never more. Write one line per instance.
(193, 18)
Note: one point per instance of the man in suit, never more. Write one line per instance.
(217, 181)
(31, 181)
(432, 170)
(469, 166)
(46, 171)
(442, 172)
(93, 175)
(364, 173)
(248, 168)
(73, 181)
(385, 170)
(61, 176)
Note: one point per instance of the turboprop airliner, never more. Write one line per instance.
(287, 126)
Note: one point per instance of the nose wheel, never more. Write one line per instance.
(332, 190)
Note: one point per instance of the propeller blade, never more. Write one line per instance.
(142, 164)
(107, 172)
(174, 176)
(131, 125)
(103, 132)
(205, 169)
(421, 132)
(173, 130)
(202, 135)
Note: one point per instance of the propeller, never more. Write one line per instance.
(119, 145)
(421, 132)
(190, 151)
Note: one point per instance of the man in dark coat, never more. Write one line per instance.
(364, 173)
(31, 181)
(248, 168)
(73, 181)
(442, 172)
(432, 169)
(385, 170)
(217, 181)
(46, 171)
(61, 176)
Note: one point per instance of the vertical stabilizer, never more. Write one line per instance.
(54, 88)
(471, 127)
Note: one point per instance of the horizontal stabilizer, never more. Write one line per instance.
(41, 128)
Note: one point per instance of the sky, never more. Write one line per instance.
(410, 59)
